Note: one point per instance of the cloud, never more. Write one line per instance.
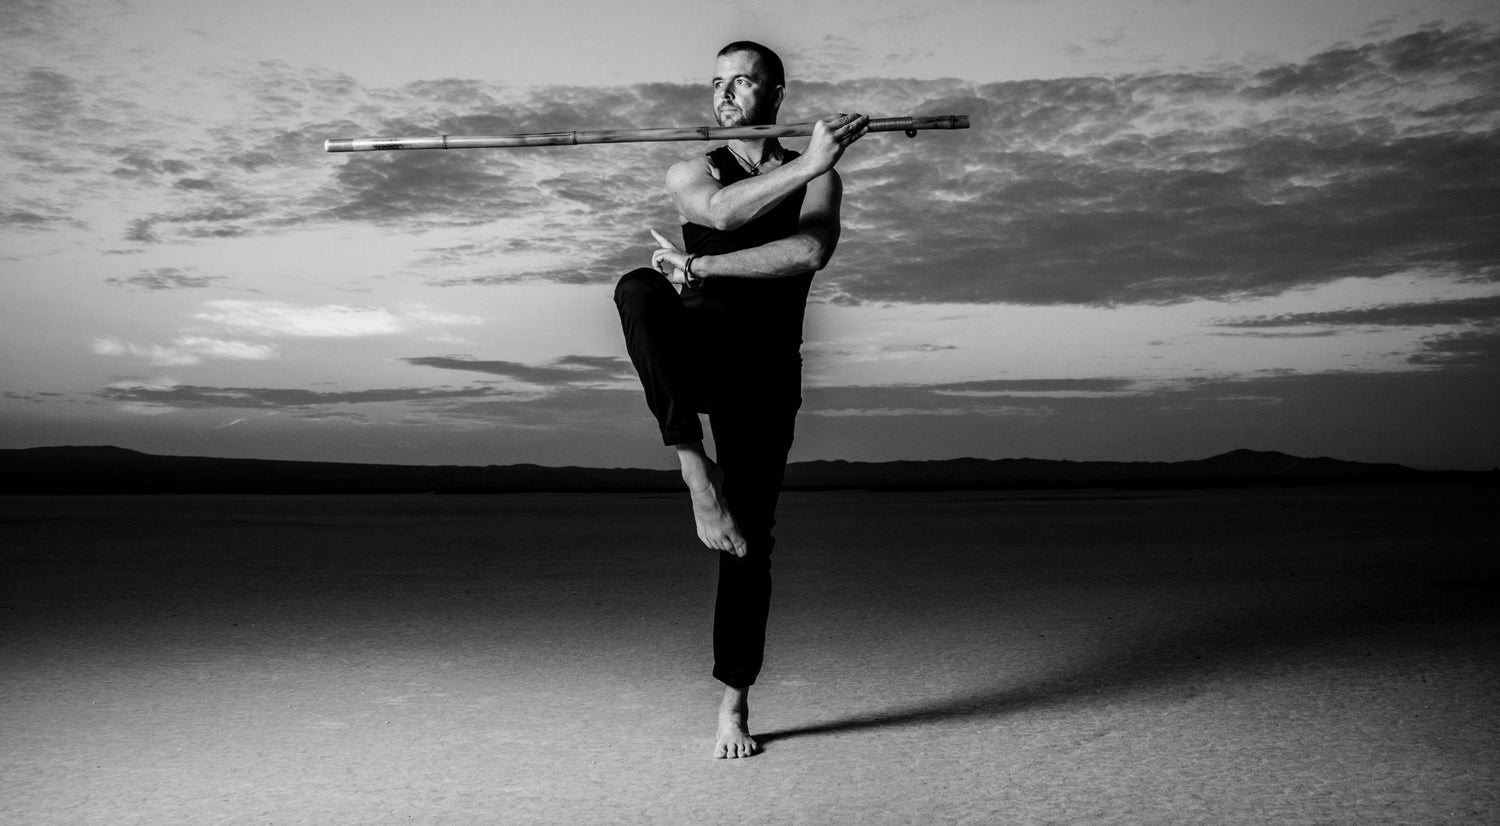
(1470, 350)
(186, 396)
(140, 409)
(20, 19)
(1097, 400)
(1038, 388)
(282, 319)
(988, 411)
(567, 412)
(1165, 187)
(275, 318)
(1283, 334)
(166, 278)
(571, 379)
(1451, 311)
(1020, 397)
(186, 350)
(1471, 342)
(24, 219)
(566, 371)
(834, 56)
(1161, 187)
(45, 99)
(1153, 188)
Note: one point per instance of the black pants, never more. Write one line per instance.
(695, 354)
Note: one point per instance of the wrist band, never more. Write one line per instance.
(687, 271)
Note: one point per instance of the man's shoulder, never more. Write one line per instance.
(703, 160)
(697, 166)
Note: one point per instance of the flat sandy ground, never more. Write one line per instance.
(1255, 656)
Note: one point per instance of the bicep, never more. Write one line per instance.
(693, 186)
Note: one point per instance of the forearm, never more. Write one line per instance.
(742, 202)
(795, 254)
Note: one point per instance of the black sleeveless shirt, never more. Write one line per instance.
(774, 306)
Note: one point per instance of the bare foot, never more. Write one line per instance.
(734, 725)
(716, 527)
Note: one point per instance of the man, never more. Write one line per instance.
(758, 221)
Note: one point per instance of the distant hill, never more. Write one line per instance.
(1238, 467)
(117, 470)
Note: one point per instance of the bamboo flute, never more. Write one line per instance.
(909, 125)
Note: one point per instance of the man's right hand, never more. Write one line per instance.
(831, 136)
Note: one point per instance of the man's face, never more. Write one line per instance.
(741, 94)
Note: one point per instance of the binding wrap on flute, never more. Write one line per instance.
(909, 125)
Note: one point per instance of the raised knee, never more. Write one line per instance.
(636, 285)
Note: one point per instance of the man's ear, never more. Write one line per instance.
(780, 93)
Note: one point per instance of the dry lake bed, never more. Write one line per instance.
(1301, 655)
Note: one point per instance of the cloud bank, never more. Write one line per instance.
(1361, 161)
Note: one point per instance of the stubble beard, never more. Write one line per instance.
(739, 117)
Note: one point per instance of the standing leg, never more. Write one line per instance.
(753, 443)
(753, 424)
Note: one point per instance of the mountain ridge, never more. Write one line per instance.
(107, 469)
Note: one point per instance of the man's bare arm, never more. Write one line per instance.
(701, 199)
(806, 250)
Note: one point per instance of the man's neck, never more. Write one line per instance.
(756, 151)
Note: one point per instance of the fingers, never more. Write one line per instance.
(847, 128)
(853, 128)
(861, 124)
(663, 240)
(661, 259)
(662, 263)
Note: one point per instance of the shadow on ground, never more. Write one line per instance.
(1378, 621)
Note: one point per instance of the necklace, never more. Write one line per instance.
(754, 167)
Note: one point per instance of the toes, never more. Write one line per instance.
(736, 750)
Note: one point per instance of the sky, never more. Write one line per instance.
(1175, 227)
